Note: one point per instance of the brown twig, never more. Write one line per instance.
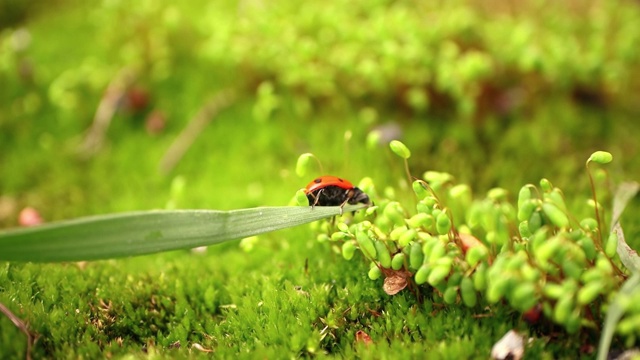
(22, 326)
(107, 108)
(195, 127)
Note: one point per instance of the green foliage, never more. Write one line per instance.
(540, 80)
(559, 264)
(419, 53)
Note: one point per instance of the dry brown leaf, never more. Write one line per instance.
(395, 281)
(363, 337)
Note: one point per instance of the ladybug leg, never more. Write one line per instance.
(316, 198)
(348, 196)
(342, 206)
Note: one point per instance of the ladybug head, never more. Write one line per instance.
(357, 196)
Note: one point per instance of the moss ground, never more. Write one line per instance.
(291, 296)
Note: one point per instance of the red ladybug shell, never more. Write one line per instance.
(327, 180)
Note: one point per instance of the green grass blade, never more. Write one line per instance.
(628, 256)
(615, 312)
(624, 193)
(146, 232)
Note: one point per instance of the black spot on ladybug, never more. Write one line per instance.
(317, 181)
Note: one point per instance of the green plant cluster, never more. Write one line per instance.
(433, 54)
(536, 255)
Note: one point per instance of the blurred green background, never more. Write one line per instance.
(497, 93)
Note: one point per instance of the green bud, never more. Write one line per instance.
(406, 238)
(590, 224)
(459, 200)
(476, 254)
(538, 238)
(322, 237)
(428, 243)
(611, 245)
(373, 139)
(516, 261)
(365, 243)
(400, 149)
(374, 273)
(523, 229)
(423, 208)
(604, 265)
(572, 269)
(530, 273)
(588, 293)
(301, 198)
(454, 279)
(468, 293)
(555, 215)
(480, 277)
(600, 157)
(436, 177)
(396, 233)
(415, 256)
(555, 197)
(535, 222)
(450, 295)
(383, 223)
(384, 258)
(302, 164)
(422, 274)
(574, 253)
(546, 250)
(420, 189)
(398, 261)
(526, 209)
(348, 250)
(524, 196)
(438, 250)
(339, 235)
(592, 275)
(546, 185)
(438, 274)
(563, 308)
(394, 212)
(420, 220)
(389, 192)
(570, 286)
(443, 223)
(588, 246)
(592, 204)
(553, 290)
(523, 296)
(371, 210)
(444, 261)
(629, 325)
(497, 194)
(343, 227)
(247, 244)
(497, 289)
(435, 212)
(461, 192)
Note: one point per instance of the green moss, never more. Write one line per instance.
(332, 71)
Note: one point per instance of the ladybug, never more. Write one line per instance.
(334, 191)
